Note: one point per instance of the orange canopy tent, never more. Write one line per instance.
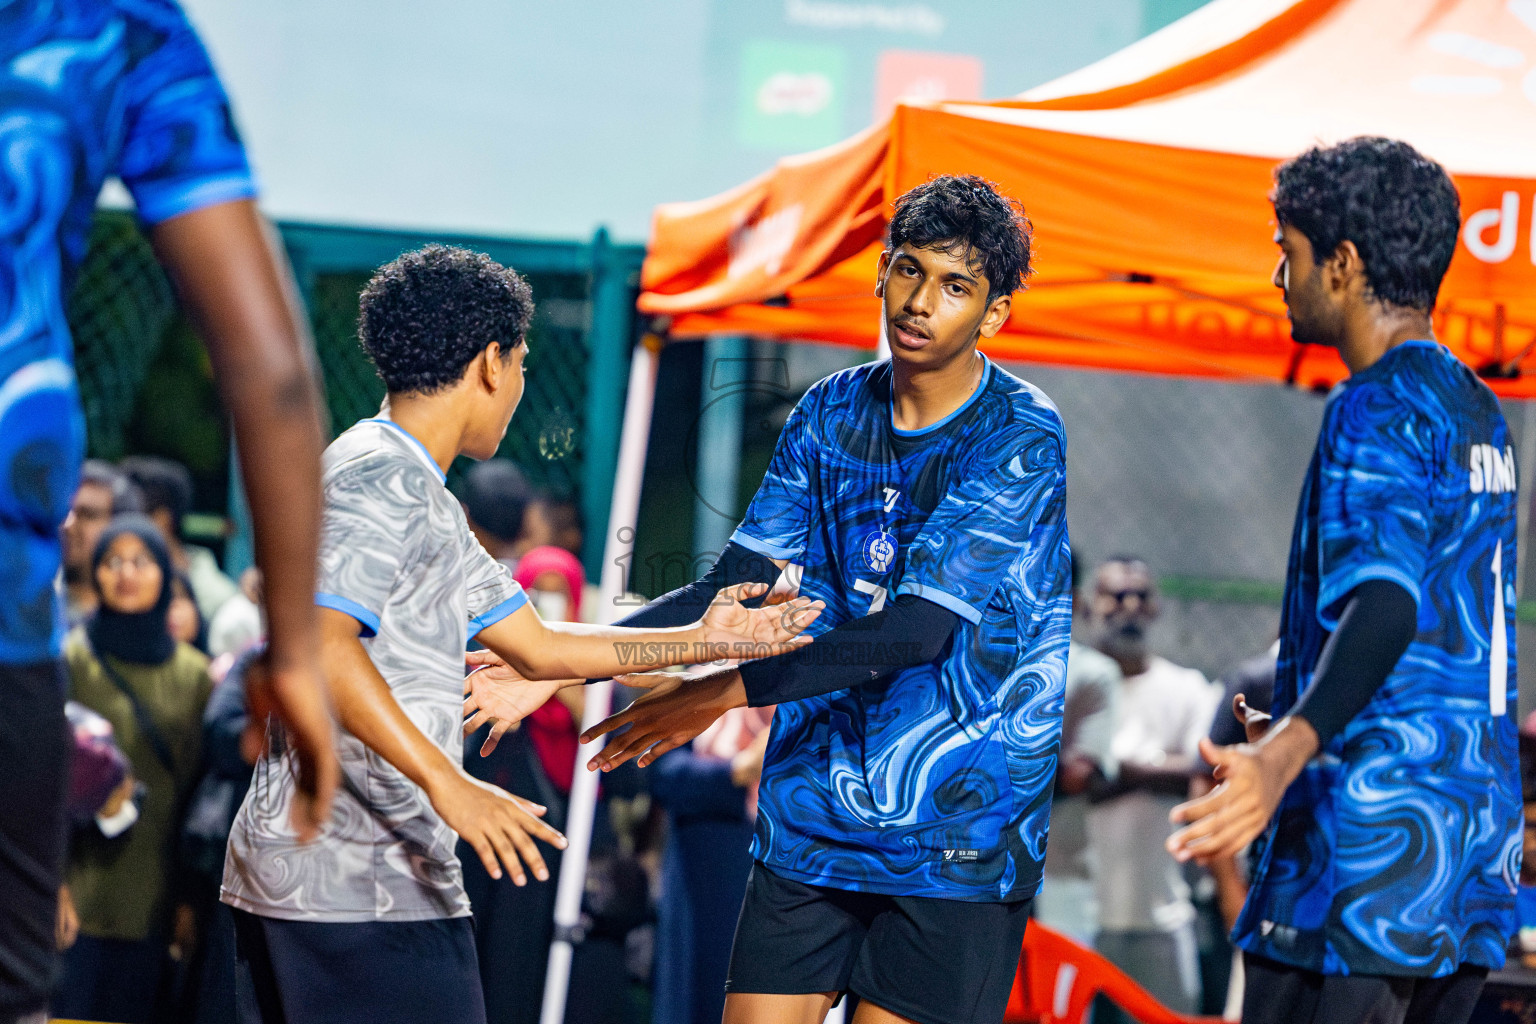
(1146, 176)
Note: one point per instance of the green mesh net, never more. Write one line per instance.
(118, 314)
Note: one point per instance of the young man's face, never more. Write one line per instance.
(502, 382)
(1313, 312)
(935, 305)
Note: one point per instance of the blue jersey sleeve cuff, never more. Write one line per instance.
(159, 202)
(368, 620)
(496, 614)
(1335, 589)
(947, 601)
(764, 547)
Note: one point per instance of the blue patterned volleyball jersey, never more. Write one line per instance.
(1397, 850)
(934, 780)
(88, 89)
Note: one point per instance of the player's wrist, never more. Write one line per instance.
(1287, 747)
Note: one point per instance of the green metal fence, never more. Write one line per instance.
(565, 435)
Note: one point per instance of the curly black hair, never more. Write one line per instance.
(425, 316)
(1398, 206)
(962, 214)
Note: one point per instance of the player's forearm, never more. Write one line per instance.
(910, 631)
(236, 287)
(580, 650)
(368, 710)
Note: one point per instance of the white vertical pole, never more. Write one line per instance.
(620, 543)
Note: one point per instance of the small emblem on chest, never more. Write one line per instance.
(879, 550)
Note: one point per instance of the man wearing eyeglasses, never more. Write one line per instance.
(1146, 919)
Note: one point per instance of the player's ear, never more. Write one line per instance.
(880, 269)
(1344, 269)
(997, 315)
(490, 366)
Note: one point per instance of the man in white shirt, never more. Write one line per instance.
(1146, 919)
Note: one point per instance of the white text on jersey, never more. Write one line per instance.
(1492, 471)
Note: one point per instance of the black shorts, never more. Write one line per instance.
(368, 972)
(34, 755)
(934, 961)
(1276, 993)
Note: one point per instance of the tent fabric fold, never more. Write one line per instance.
(1153, 231)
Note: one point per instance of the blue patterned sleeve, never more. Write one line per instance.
(181, 151)
(1374, 510)
(982, 527)
(778, 521)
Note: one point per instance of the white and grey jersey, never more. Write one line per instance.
(397, 555)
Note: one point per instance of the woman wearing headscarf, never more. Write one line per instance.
(125, 665)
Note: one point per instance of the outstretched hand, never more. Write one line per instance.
(494, 692)
(676, 709)
(743, 633)
(1251, 779)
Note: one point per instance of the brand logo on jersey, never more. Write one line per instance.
(1492, 471)
(880, 551)
(962, 856)
(892, 496)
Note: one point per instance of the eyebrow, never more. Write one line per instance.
(953, 275)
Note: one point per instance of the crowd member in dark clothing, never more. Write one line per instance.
(167, 490)
(709, 791)
(1254, 681)
(124, 665)
(496, 496)
(229, 753)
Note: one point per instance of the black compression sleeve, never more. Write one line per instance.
(907, 632)
(1378, 624)
(686, 605)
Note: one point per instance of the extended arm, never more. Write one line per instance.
(236, 287)
(908, 632)
(570, 651)
(498, 825)
(1379, 621)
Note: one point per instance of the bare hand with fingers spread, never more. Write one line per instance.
(741, 632)
(499, 826)
(676, 709)
(1251, 778)
(495, 692)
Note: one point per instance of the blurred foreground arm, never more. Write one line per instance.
(234, 283)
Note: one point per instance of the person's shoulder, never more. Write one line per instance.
(1017, 426)
(188, 660)
(77, 647)
(372, 454)
(1419, 384)
(1086, 665)
(856, 384)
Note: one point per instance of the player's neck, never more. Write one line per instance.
(922, 396)
(431, 420)
(1375, 330)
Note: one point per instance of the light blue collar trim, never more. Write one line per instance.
(981, 385)
(1417, 343)
(426, 455)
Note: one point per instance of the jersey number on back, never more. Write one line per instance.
(1498, 642)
